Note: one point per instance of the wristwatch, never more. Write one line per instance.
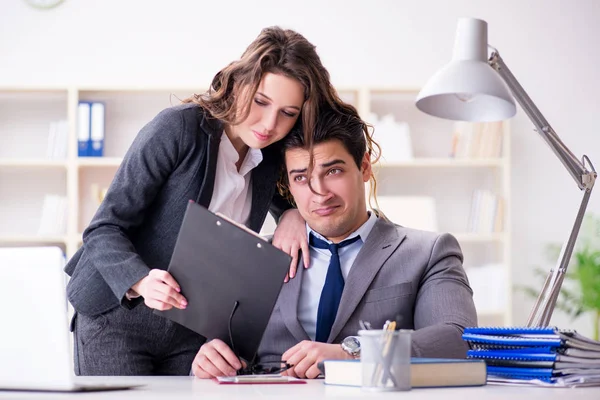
(351, 345)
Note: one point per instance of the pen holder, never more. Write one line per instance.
(385, 360)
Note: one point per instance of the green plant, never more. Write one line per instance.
(581, 292)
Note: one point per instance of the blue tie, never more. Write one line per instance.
(333, 288)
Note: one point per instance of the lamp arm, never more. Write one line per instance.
(578, 171)
(584, 177)
(546, 301)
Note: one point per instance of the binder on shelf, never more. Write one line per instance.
(53, 221)
(51, 140)
(57, 140)
(97, 130)
(486, 214)
(477, 140)
(83, 128)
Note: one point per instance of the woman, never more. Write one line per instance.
(219, 149)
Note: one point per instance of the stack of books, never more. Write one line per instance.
(487, 212)
(57, 140)
(477, 140)
(545, 355)
(53, 221)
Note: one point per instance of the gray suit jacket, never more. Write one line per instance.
(171, 161)
(415, 274)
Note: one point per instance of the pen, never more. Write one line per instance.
(388, 353)
(385, 356)
(364, 325)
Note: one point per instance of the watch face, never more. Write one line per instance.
(352, 344)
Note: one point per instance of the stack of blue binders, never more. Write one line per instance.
(546, 354)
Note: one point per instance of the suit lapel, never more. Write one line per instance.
(213, 130)
(289, 298)
(264, 178)
(383, 240)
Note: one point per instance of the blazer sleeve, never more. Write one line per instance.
(444, 304)
(148, 163)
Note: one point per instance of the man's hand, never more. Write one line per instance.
(307, 354)
(160, 291)
(290, 236)
(215, 358)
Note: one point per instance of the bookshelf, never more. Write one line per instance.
(27, 174)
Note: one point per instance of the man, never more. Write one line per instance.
(377, 271)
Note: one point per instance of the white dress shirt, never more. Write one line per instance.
(232, 193)
(313, 278)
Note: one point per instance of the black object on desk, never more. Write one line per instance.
(230, 277)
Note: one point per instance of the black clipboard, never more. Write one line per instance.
(218, 263)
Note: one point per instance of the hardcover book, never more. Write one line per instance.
(424, 372)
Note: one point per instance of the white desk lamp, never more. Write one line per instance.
(467, 89)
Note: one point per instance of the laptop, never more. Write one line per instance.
(35, 346)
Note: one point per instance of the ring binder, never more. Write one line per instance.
(513, 340)
(511, 330)
(535, 354)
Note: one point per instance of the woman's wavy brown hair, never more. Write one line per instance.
(279, 51)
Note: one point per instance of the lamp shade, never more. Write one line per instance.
(468, 88)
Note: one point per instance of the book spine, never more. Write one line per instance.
(83, 129)
(96, 146)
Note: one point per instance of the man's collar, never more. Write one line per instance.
(363, 231)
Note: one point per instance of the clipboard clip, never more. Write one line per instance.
(241, 226)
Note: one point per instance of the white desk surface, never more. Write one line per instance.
(168, 388)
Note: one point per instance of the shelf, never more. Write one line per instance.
(479, 237)
(32, 240)
(31, 163)
(395, 90)
(432, 173)
(34, 89)
(83, 162)
(444, 162)
(414, 163)
(143, 89)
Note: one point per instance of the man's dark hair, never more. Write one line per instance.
(345, 126)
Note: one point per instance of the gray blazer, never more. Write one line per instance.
(399, 271)
(171, 161)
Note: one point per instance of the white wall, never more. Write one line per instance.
(550, 45)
